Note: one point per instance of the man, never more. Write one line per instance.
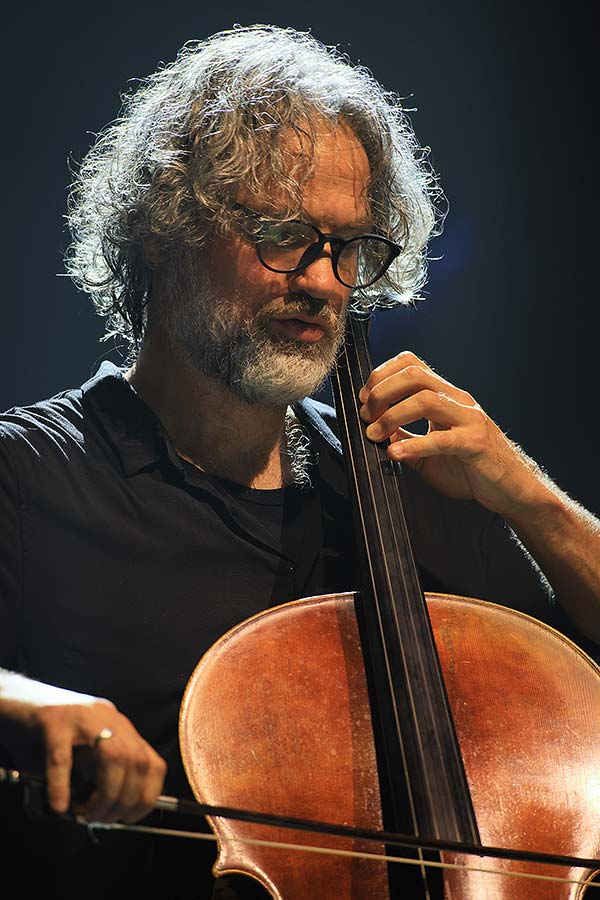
(250, 193)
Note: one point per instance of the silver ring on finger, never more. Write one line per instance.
(103, 735)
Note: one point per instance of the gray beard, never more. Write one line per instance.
(241, 354)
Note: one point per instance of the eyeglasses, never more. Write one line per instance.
(288, 247)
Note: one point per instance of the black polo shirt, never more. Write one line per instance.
(120, 563)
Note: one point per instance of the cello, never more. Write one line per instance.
(442, 716)
(334, 708)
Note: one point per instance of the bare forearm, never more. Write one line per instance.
(564, 539)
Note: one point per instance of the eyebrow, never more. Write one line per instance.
(363, 226)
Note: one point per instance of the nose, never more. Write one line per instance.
(318, 281)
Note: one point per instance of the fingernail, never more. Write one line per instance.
(364, 414)
(374, 432)
(363, 394)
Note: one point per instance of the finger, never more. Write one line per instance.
(436, 443)
(111, 772)
(395, 364)
(142, 787)
(130, 777)
(439, 409)
(59, 763)
(405, 383)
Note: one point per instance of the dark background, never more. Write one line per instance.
(502, 92)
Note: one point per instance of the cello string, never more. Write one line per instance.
(422, 727)
(331, 851)
(13, 777)
(412, 622)
(352, 465)
(367, 548)
(352, 462)
(358, 335)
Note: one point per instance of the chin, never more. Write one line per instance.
(286, 381)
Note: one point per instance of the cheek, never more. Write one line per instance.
(235, 267)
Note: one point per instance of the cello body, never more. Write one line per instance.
(276, 718)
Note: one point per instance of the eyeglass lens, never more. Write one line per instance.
(287, 246)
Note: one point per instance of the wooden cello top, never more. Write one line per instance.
(320, 713)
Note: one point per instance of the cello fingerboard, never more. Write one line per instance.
(422, 777)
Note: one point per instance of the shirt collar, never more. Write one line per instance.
(132, 428)
(312, 413)
(139, 439)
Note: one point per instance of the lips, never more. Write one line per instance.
(303, 317)
(302, 328)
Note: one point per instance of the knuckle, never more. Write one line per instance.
(375, 395)
(141, 766)
(428, 398)
(148, 765)
(479, 421)
(479, 440)
(384, 422)
(103, 702)
(109, 751)
(406, 358)
(58, 757)
(479, 445)
(52, 719)
(444, 439)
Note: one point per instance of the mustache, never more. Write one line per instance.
(314, 304)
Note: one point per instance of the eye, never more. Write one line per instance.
(287, 235)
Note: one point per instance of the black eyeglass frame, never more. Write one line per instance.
(312, 253)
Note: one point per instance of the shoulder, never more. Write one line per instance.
(37, 444)
(53, 424)
(59, 427)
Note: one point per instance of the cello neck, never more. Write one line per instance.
(422, 777)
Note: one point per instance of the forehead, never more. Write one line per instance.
(335, 191)
(341, 168)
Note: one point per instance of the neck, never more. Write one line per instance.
(210, 426)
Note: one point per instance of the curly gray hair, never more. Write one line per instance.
(165, 173)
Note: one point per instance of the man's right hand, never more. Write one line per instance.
(128, 773)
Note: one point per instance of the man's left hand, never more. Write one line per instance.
(464, 453)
